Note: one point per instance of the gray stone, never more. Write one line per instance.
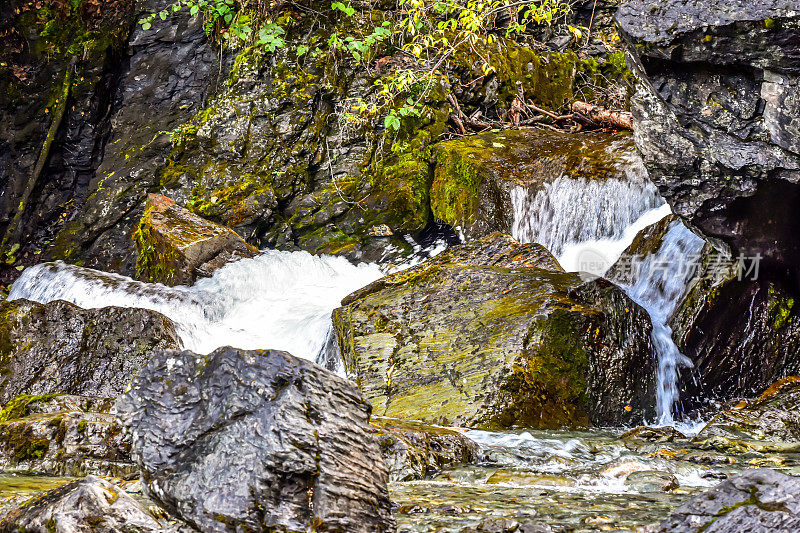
(757, 501)
(256, 440)
(60, 348)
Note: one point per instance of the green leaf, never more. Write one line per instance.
(301, 50)
(163, 15)
(194, 10)
(146, 26)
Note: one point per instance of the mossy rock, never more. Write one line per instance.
(493, 334)
(174, 244)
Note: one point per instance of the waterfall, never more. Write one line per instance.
(569, 214)
(658, 282)
(277, 300)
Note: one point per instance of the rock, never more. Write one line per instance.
(651, 481)
(653, 434)
(414, 451)
(88, 504)
(717, 117)
(759, 500)
(60, 348)
(60, 435)
(302, 432)
(176, 246)
(774, 416)
(484, 183)
(494, 334)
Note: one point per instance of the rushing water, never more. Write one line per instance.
(278, 300)
(659, 282)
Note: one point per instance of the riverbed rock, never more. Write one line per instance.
(518, 181)
(176, 246)
(774, 416)
(415, 451)
(88, 504)
(62, 435)
(60, 348)
(495, 334)
(651, 481)
(759, 500)
(716, 117)
(302, 432)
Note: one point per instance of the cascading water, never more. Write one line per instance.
(658, 282)
(571, 215)
(278, 300)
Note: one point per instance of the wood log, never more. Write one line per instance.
(603, 116)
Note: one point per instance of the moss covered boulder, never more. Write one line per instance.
(495, 334)
(176, 246)
(62, 435)
(60, 348)
(479, 180)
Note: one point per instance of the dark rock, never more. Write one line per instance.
(176, 246)
(774, 416)
(301, 431)
(717, 117)
(760, 500)
(414, 451)
(88, 504)
(494, 334)
(653, 434)
(60, 348)
(58, 435)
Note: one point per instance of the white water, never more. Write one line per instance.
(587, 222)
(658, 284)
(277, 300)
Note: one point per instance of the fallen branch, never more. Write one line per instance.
(594, 114)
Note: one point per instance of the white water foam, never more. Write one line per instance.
(278, 300)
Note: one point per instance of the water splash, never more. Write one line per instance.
(658, 283)
(278, 300)
(572, 211)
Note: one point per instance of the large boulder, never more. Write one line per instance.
(774, 416)
(61, 435)
(88, 504)
(256, 440)
(60, 348)
(758, 501)
(717, 117)
(495, 334)
(523, 182)
(176, 246)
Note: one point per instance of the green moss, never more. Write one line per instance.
(154, 263)
(454, 195)
(21, 442)
(18, 407)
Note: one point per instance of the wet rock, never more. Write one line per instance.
(302, 432)
(494, 334)
(717, 117)
(480, 181)
(88, 504)
(755, 500)
(651, 481)
(414, 451)
(774, 416)
(60, 348)
(176, 246)
(510, 525)
(60, 435)
(653, 434)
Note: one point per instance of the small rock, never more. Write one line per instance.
(651, 481)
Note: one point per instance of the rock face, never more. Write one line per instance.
(774, 416)
(300, 430)
(58, 435)
(176, 246)
(414, 451)
(494, 334)
(760, 500)
(89, 504)
(718, 118)
(481, 181)
(60, 348)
